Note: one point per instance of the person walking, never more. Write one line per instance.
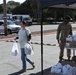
(22, 41)
(63, 30)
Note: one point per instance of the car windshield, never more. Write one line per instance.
(10, 23)
(26, 18)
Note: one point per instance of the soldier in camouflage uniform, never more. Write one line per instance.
(64, 29)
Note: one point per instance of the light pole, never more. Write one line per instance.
(38, 4)
(5, 17)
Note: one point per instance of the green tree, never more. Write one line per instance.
(11, 5)
(28, 7)
(1, 9)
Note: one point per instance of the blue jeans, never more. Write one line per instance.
(24, 59)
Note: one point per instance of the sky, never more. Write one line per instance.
(21, 1)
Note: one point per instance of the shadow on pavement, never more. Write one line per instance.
(45, 72)
(15, 73)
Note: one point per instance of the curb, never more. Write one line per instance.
(34, 43)
(36, 32)
(33, 33)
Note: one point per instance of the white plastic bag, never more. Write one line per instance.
(73, 71)
(14, 50)
(57, 68)
(29, 49)
(67, 70)
(69, 38)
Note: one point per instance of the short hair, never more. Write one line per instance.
(24, 22)
(68, 17)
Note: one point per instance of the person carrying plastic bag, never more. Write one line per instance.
(22, 41)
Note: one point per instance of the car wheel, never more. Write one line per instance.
(9, 31)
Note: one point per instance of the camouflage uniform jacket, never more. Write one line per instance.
(63, 31)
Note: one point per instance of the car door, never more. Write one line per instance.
(1, 27)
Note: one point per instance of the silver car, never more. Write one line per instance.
(11, 27)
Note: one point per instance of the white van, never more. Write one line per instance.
(23, 18)
(9, 16)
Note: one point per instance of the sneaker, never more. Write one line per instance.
(60, 61)
(22, 70)
(33, 65)
(68, 58)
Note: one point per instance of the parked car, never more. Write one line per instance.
(17, 22)
(11, 27)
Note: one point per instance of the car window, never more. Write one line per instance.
(10, 23)
(1, 23)
(26, 19)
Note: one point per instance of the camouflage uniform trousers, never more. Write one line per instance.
(62, 46)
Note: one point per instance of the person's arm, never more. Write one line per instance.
(29, 37)
(28, 34)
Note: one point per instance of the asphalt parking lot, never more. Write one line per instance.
(9, 64)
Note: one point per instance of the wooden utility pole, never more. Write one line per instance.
(5, 17)
(38, 16)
